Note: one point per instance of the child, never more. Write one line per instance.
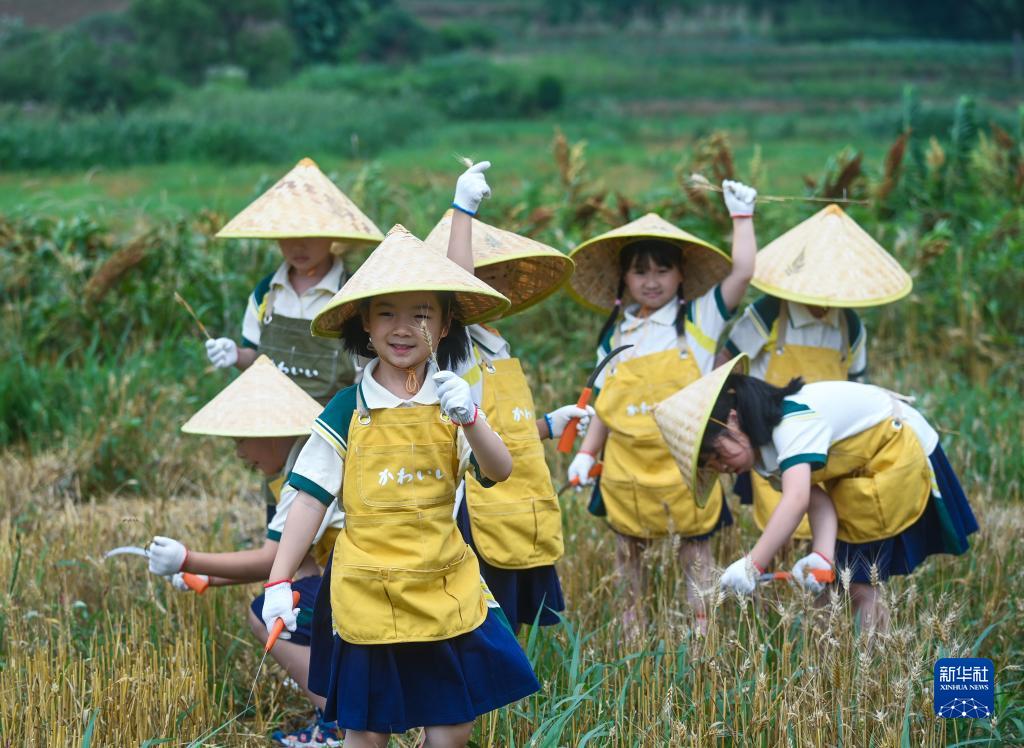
(515, 527)
(306, 213)
(805, 326)
(864, 465)
(264, 411)
(683, 293)
(414, 641)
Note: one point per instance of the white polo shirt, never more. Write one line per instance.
(706, 319)
(483, 343)
(823, 413)
(287, 301)
(320, 467)
(754, 334)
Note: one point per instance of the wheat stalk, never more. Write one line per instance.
(701, 182)
(188, 308)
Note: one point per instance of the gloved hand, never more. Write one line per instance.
(455, 397)
(740, 576)
(739, 198)
(472, 188)
(166, 556)
(178, 581)
(277, 603)
(802, 572)
(580, 467)
(559, 419)
(222, 352)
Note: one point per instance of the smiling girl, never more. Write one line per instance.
(683, 291)
(411, 639)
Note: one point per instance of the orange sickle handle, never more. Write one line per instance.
(822, 576)
(569, 435)
(279, 626)
(195, 582)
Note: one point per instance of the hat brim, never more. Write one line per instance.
(844, 303)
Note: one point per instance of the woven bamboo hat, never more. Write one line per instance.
(533, 271)
(829, 260)
(260, 402)
(403, 263)
(303, 203)
(682, 419)
(595, 281)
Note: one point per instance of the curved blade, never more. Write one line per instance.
(132, 550)
(604, 362)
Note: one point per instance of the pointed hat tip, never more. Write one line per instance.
(307, 161)
(834, 209)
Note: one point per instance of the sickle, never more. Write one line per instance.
(195, 582)
(569, 435)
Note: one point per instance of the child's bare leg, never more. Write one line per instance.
(294, 658)
(869, 606)
(695, 559)
(364, 739)
(448, 736)
(629, 565)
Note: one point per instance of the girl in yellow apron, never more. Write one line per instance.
(683, 291)
(415, 641)
(306, 213)
(865, 466)
(514, 527)
(264, 411)
(806, 325)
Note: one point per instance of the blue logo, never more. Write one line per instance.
(965, 687)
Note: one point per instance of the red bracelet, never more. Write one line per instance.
(754, 564)
(279, 581)
(824, 557)
(587, 452)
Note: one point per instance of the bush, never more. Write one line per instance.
(455, 37)
(390, 34)
(268, 52)
(26, 63)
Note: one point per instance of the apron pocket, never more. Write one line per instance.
(518, 534)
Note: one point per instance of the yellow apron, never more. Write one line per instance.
(814, 364)
(879, 480)
(516, 524)
(402, 572)
(642, 488)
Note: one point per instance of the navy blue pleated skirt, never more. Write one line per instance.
(525, 595)
(307, 587)
(392, 688)
(596, 507)
(942, 528)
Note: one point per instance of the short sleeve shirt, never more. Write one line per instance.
(823, 413)
(754, 334)
(286, 301)
(319, 469)
(706, 318)
(484, 344)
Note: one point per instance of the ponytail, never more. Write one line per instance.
(758, 406)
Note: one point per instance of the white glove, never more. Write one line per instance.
(579, 469)
(472, 188)
(740, 576)
(739, 198)
(456, 398)
(277, 603)
(166, 556)
(803, 575)
(559, 419)
(178, 581)
(222, 352)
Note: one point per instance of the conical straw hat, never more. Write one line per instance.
(260, 402)
(682, 419)
(597, 261)
(303, 203)
(402, 263)
(533, 270)
(828, 260)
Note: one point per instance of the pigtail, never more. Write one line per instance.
(680, 312)
(613, 316)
